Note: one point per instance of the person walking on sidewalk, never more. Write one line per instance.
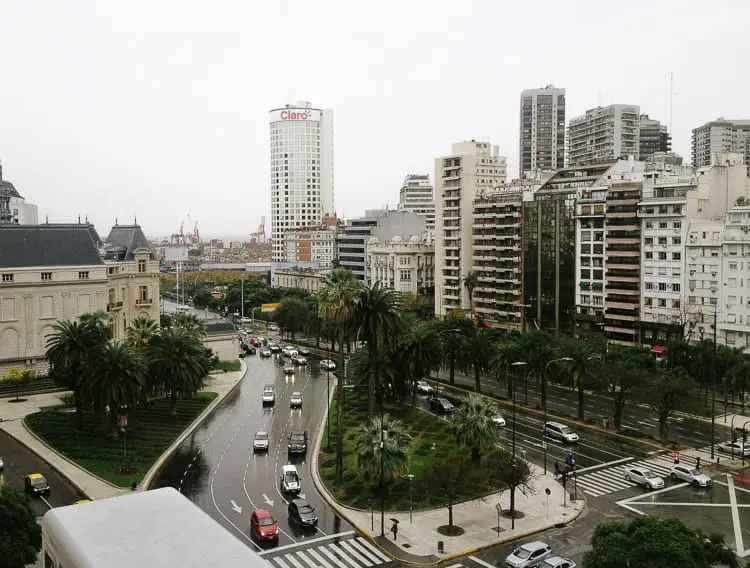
(557, 469)
(394, 529)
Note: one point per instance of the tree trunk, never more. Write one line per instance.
(477, 383)
(173, 402)
(371, 379)
(512, 501)
(450, 513)
(619, 407)
(79, 409)
(476, 455)
(452, 369)
(581, 406)
(526, 388)
(663, 427)
(339, 412)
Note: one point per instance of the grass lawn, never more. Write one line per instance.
(425, 429)
(228, 366)
(150, 432)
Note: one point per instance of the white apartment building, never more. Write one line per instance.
(542, 130)
(733, 329)
(604, 134)
(301, 170)
(721, 136)
(417, 195)
(315, 245)
(404, 265)
(303, 278)
(471, 168)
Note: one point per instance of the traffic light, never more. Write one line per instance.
(564, 478)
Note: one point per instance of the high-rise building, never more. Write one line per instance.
(301, 170)
(542, 131)
(417, 195)
(604, 134)
(721, 135)
(653, 138)
(470, 168)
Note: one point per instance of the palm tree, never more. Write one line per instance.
(189, 323)
(477, 354)
(119, 380)
(140, 332)
(392, 454)
(474, 426)
(379, 319)
(471, 281)
(179, 363)
(586, 358)
(422, 353)
(504, 354)
(338, 301)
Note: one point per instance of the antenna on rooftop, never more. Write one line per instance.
(672, 93)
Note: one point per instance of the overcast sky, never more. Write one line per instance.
(160, 108)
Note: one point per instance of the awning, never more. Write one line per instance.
(584, 285)
(658, 349)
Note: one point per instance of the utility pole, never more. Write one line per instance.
(713, 389)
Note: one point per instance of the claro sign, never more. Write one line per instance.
(294, 114)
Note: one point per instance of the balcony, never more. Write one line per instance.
(143, 301)
(113, 306)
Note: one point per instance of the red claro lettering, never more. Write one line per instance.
(292, 115)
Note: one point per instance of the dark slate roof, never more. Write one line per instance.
(26, 246)
(8, 190)
(123, 241)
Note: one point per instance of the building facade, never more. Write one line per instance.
(417, 195)
(301, 170)
(13, 207)
(497, 253)
(472, 167)
(542, 130)
(307, 279)
(604, 134)
(314, 245)
(721, 136)
(653, 137)
(406, 265)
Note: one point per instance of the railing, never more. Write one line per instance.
(114, 306)
(143, 302)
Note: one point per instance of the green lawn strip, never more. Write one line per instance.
(150, 432)
(425, 430)
(228, 366)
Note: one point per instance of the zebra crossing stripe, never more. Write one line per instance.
(332, 557)
(363, 551)
(280, 562)
(355, 555)
(608, 482)
(293, 561)
(372, 549)
(455, 566)
(310, 563)
(314, 553)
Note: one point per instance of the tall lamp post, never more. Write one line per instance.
(328, 403)
(411, 506)
(516, 365)
(544, 403)
(713, 391)
(383, 438)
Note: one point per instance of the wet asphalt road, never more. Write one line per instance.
(217, 469)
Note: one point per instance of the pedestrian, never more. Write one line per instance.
(698, 463)
(394, 529)
(557, 469)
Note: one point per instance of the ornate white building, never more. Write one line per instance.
(404, 265)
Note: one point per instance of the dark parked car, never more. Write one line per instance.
(302, 513)
(442, 405)
(298, 442)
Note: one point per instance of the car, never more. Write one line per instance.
(289, 481)
(327, 365)
(690, 475)
(643, 476)
(260, 442)
(556, 562)
(82, 502)
(297, 442)
(263, 526)
(736, 448)
(295, 401)
(289, 351)
(442, 405)
(302, 513)
(251, 350)
(529, 554)
(36, 484)
(303, 351)
(288, 369)
(560, 432)
(273, 327)
(423, 387)
(498, 420)
(274, 347)
(269, 394)
(255, 341)
(265, 352)
(299, 360)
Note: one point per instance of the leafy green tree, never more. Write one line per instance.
(629, 368)
(657, 543)
(339, 299)
(474, 426)
(422, 352)
(505, 353)
(379, 319)
(19, 379)
(140, 332)
(537, 348)
(449, 479)
(452, 332)
(21, 535)
(190, 324)
(372, 446)
(666, 392)
(292, 314)
(203, 298)
(511, 472)
(470, 282)
(476, 353)
(585, 368)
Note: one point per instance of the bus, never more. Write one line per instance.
(141, 530)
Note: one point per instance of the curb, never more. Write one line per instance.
(148, 479)
(341, 510)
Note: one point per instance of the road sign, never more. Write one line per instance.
(123, 420)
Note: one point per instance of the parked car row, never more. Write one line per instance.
(537, 553)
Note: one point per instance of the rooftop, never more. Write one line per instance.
(27, 246)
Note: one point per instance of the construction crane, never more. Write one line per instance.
(195, 235)
(178, 239)
(259, 236)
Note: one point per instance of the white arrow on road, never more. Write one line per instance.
(268, 501)
(236, 507)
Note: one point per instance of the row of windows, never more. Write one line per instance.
(663, 255)
(662, 286)
(664, 225)
(661, 302)
(649, 241)
(46, 276)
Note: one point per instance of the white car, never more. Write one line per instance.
(327, 365)
(269, 394)
(736, 448)
(299, 360)
(643, 476)
(423, 387)
(289, 351)
(691, 475)
(557, 562)
(260, 442)
(289, 481)
(498, 420)
(265, 352)
(527, 555)
(288, 369)
(295, 401)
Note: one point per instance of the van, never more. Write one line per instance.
(560, 432)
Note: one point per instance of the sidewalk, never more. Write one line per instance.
(87, 483)
(417, 541)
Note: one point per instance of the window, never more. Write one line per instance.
(46, 276)
(676, 240)
(662, 256)
(141, 266)
(662, 286)
(648, 241)
(83, 275)
(677, 225)
(143, 292)
(676, 256)
(662, 224)
(732, 266)
(649, 255)
(676, 304)
(662, 240)
(662, 303)
(648, 302)
(675, 287)
(7, 278)
(649, 285)
(649, 225)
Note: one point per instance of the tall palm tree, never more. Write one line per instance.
(471, 281)
(393, 450)
(422, 352)
(477, 353)
(587, 357)
(379, 318)
(189, 323)
(119, 380)
(179, 363)
(140, 332)
(504, 354)
(338, 300)
(474, 426)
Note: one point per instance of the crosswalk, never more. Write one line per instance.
(352, 553)
(612, 479)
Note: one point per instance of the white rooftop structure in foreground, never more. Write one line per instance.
(146, 529)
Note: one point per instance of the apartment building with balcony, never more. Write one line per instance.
(497, 254)
(721, 136)
(653, 138)
(417, 195)
(406, 265)
(471, 167)
(733, 329)
(315, 245)
(604, 134)
(542, 130)
(590, 282)
(309, 279)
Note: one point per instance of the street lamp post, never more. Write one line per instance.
(544, 404)
(383, 438)
(328, 403)
(411, 506)
(713, 391)
(517, 364)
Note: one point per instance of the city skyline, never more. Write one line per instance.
(126, 116)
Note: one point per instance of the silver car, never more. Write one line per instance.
(527, 555)
(557, 562)
(295, 401)
(690, 475)
(260, 442)
(643, 476)
(736, 448)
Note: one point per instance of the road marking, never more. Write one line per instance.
(280, 562)
(314, 553)
(235, 507)
(482, 562)
(371, 548)
(356, 555)
(310, 563)
(363, 551)
(600, 466)
(306, 542)
(333, 558)
(292, 560)
(735, 517)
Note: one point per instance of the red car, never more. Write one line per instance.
(255, 341)
(263, 526)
